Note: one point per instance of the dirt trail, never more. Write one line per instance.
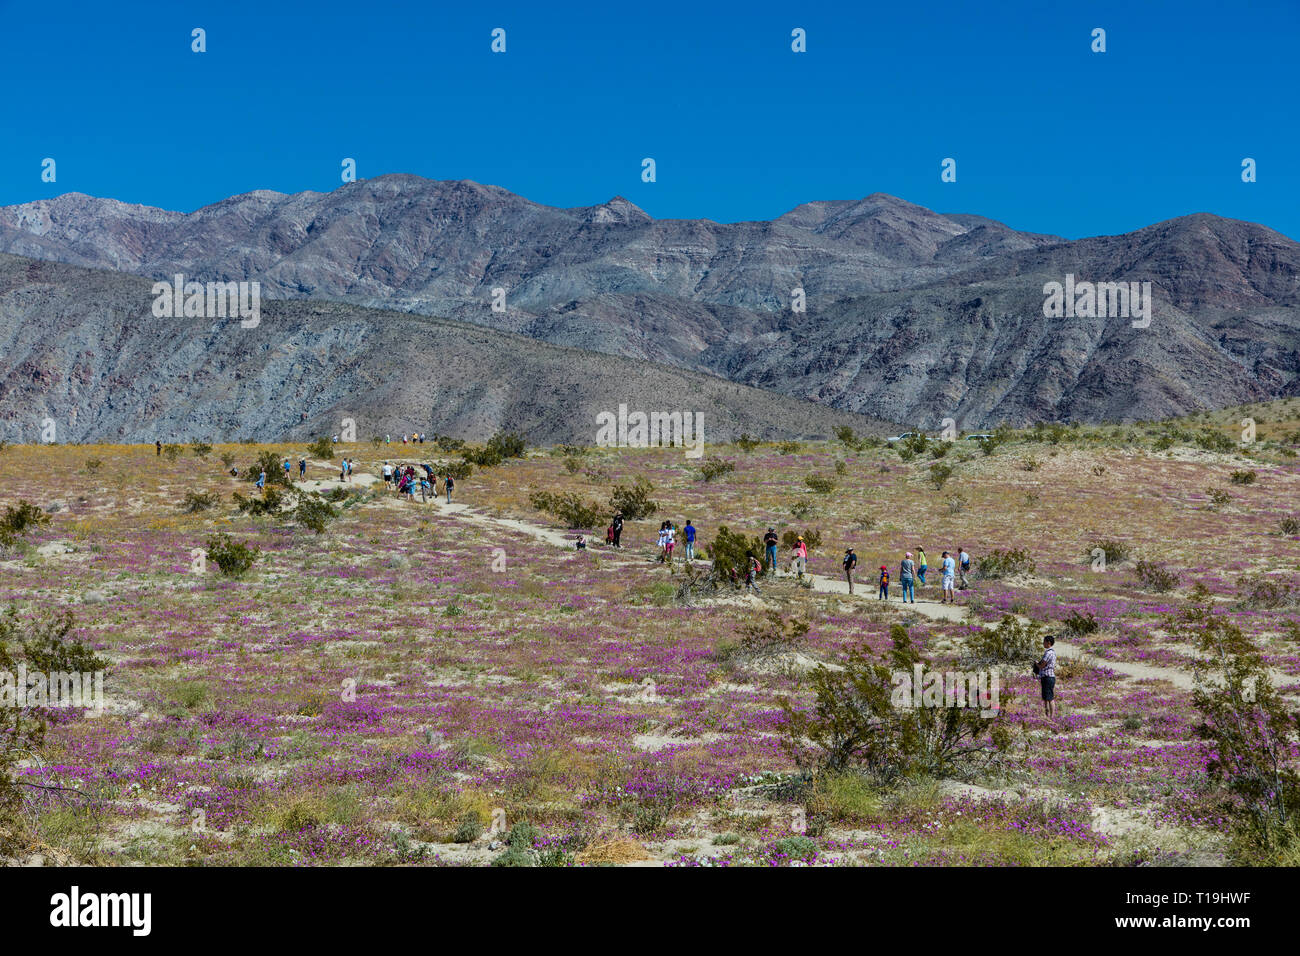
(821, 584)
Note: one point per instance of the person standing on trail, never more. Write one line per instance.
(302, 468)
(921, 565)
(450, 483)
(949, 570)
(800, 562)
(618, 529)
(157, 447)
(963, 560)
(288, 467)
(669, 540)
(662, 542)
(609, 535)
(884, 584)
(850, 562)
(1046, 671)
(261, 479)
(388, 474)
(752, 571)
(769, 546)
(689, 534)
(906, 570)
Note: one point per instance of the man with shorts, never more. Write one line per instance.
(1047, 676)
(949, 568)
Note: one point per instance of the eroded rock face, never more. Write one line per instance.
(911, 316)
(308, 365)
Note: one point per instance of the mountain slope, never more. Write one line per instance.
(910, 315)
(83, 348)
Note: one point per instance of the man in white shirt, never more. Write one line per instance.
(949, 569)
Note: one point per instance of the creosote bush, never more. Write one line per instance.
(233, 558)
(1155, 577)
(634, 500)
(856, 722)
(999, 563)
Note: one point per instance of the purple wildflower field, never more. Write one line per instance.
(394, 689)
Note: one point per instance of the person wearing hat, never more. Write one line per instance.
(850, 562)
(769, 548)
(884, 583)
(618, 528)
(800, 562)
(906, 572)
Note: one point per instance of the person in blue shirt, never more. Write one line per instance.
(689, 533)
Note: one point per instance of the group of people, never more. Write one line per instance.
(952, 567)
(667, 539)
(406, 481)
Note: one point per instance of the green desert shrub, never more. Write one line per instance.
(322, 447)
(1113, 551)
(1000, 563)
(231, 557)
(820, 484)
(716, 468)
(730, 550)
(634, 500)
(569, 508)
(1012, 641)
(196, 501)
(857, 722)
(1155, 577)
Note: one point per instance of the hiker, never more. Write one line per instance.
(449, 484)
(689, 534)
(752, 573)
(302, 468)
(261, 479)
(388, 475)
(963, 562)
(609, 535)
(884, 583)
(348, 462)
(618, 529)
(906, 570)
(582, 544)
(800, 562)
(769, 546)
(948, 569)
(1046, 671)
(424, 491)
(921, 565)
(287, 468)
(158, 447)
(662, 542)
(850, 562)
(670, 541)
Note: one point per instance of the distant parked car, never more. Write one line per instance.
(977, 437)
(903, 437)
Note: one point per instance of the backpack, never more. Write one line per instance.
(884, 577)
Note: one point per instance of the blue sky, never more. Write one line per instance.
(1048, 136)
